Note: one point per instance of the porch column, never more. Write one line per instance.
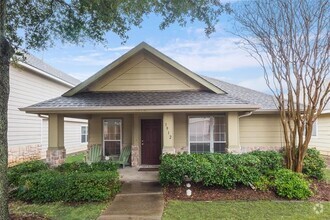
(168, 133)
(233, 133)
(136, 140)
(56, 150)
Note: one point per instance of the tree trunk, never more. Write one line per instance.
(5, 54)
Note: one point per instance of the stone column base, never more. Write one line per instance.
(135, 156)
(55, 157)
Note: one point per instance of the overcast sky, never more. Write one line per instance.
(218, 56)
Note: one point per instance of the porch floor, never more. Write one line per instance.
(132, 174)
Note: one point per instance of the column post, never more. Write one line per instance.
(56, 151)
(168, 133)
(233, 133)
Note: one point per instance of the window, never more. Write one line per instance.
(314, 131)
(112, 135)
(207, 134)
(84, 134)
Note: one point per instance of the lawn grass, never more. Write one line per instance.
(244, 210)
(79, 157)
(327, 175)
(59, 210)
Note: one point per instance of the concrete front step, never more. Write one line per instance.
(140, 187)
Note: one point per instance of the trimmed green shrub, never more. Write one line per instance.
(225, 170)
(264, 183)
(291, 185)
(51, 186)
(270, 161)
(314, 164)
(84, 167)
(15, 172)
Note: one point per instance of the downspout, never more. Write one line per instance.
(239, 117)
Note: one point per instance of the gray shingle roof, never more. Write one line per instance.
(265, 101)
(39, 64)
(88, 99)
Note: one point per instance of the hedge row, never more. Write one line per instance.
(225, 170)
(72, 182)
(51, 186)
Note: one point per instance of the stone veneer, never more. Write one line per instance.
(135, 155)
(55, 157)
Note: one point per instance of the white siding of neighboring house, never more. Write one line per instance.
(322, 139)
(27, 88)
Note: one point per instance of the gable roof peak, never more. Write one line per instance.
(144, 46)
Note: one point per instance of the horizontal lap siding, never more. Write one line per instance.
(27, 88)
(322, 140)
(260, 131)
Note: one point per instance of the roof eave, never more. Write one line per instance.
(169, 108)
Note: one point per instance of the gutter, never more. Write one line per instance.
(43, 73)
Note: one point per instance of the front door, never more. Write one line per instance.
(150, 141)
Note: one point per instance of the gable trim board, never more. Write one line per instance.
(143, 47)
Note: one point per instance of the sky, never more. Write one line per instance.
(218, 56)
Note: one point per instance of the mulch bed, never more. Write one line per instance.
(202, 193)
(27, 217)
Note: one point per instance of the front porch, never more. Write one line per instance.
(150, 134)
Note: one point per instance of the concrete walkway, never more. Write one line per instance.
(137, 200)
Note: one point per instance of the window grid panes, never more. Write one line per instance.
(112, 136)
(208, 134)
(84, 134)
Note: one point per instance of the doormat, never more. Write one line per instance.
(148, 169)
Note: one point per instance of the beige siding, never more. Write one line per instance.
(260, 131)
(27, 88)
(322, 140)
(144, 73)
(181, 132)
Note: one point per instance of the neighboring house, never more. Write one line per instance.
(34, 81)
(148, 101)
(321, 131)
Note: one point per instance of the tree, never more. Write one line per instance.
(290, 40)
(39, 24)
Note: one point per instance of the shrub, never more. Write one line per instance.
(15, 172)
(264, 183)
(84, 167)
(270, 161)
(50, 186)
(314, 164)
(224, 170)
(291, 185)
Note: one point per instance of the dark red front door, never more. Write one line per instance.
(150, 141)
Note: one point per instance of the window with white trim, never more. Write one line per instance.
(83, 134)
(207, 134)
(112, 136)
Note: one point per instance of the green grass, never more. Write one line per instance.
(79, 157)
(244, 210)
(59, 210)
(327, 175)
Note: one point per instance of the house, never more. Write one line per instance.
(146, 100)
(33, 81)
(321, 132)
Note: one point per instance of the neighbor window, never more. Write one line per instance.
(84, 134)
(207, 134)
(112, 136)
(314, 131)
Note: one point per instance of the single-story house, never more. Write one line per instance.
(31, 81)
(148, 101)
